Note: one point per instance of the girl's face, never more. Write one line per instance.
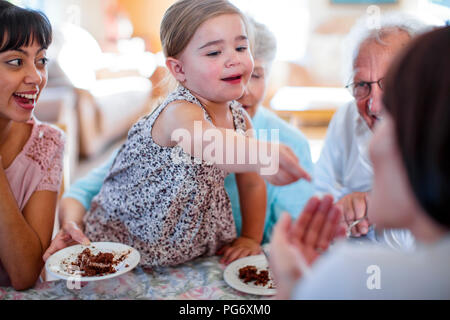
(216, 64)
(391, 201)
(256, 89)
(23, 75)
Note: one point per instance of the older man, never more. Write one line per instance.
(344, 168)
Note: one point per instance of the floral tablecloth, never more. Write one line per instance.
(199, 279)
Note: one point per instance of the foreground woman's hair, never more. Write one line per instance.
(417, 95)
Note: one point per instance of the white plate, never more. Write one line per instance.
(231, 276)
(58, 264)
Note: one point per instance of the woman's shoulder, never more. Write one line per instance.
(341, 273)
(48, 134)
(373, 271)
(45, 143)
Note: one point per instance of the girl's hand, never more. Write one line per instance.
(289, 169)
(241, 247)
(69, 235)
(297, 245)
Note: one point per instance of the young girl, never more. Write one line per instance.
(30, 152)
(164, 197)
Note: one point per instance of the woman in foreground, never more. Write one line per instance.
(410, 152)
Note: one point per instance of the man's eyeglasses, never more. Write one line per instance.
(362, 89)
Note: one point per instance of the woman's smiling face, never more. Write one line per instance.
(23, 75)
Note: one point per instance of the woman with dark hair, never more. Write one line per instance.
(30, 152)
(410, 152)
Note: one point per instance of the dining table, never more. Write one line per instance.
(199, 279)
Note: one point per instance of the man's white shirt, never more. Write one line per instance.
(344, 167)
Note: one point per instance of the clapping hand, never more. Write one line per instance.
(295, 246)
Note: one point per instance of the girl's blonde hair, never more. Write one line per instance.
(183, 18)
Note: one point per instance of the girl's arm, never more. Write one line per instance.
(24, 236)
(252, 198)
(184, 124)
(253, 201)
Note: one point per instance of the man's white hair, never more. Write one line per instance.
(367, 28)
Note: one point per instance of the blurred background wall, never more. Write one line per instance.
(107, 66)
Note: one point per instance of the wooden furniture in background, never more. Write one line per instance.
(309, 106)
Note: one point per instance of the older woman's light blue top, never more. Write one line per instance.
(291, 198)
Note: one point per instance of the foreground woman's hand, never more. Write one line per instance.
(69, 235)
(295, 246)
(240, 248)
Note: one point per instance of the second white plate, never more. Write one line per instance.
(231, 276)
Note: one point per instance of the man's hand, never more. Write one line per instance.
(354, 207)
(241, 247)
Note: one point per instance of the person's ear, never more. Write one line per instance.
(176, 68)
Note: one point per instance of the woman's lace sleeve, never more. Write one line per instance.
(48, 151)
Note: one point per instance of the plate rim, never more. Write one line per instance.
(96, 278)
(251, 290)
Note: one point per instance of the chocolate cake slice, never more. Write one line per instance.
(250, 273)
(95, 265)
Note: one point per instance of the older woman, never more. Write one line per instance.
(344, 169)
(410, 155)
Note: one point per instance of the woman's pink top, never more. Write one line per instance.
(37, 167)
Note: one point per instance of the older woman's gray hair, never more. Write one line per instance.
(368, 28)
(264, 42)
